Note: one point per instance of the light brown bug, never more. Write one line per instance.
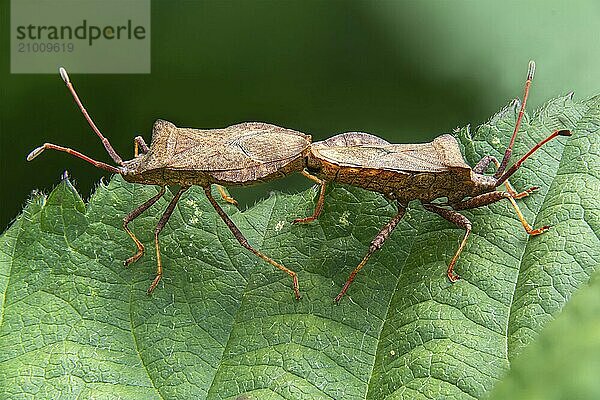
(239, 155)
(424, 172)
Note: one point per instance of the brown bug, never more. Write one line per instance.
(239, 155)
(424, 172)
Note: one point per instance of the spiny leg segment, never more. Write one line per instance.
(510, 194)
(244, 242)
(376, 244)
(492, 197)
(483, 165)
(461, 221)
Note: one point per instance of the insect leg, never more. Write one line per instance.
(483, 165)
(244, 242)
(226, 195)
(460, 221)
(320, 201)
(492, 197)
(517, 196)
(376, 244)
(161, 224)
(133, 215)
(138, 142)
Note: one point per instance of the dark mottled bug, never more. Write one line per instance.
(424, 172)
(239, 155)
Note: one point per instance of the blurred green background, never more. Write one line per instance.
(404, 70)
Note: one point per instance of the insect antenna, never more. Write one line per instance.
(113, 154)
(99, 164)
(515, 166)
(508, 152)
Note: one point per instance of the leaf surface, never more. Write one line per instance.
(76, 323)
(563, 362)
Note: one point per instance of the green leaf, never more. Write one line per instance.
(76, 323)
(564, 362)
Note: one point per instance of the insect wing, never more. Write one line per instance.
(353, 139)
(437, 156)
(264, 147)
(395, 158)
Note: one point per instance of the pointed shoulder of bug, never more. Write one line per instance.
(448, 150)
(244, 145)
(442, 154)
